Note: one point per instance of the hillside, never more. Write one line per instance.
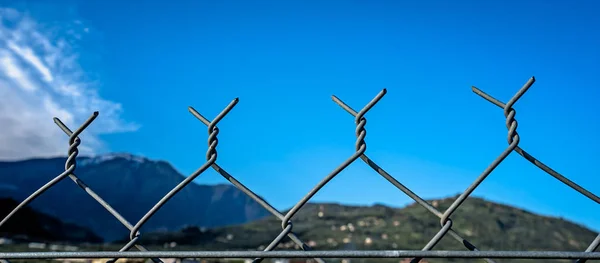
(132, 185)
(30, 225)
(488, 225)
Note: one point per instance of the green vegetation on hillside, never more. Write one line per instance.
(487, 225)
(31, 225)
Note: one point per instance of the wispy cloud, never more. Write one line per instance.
(40, 78)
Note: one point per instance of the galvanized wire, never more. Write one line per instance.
(309, 254)
(70, 165)
(360, 121)
(287, 230)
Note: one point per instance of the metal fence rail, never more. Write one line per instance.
(286, 219)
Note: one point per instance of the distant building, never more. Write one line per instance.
(56, 247)
(35, 245)
(407, 260)
(6, 241)
(177, 260)
(121, 260)
(70, 248)
(75, 260)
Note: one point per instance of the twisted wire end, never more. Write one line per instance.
(74, 141)
(213, 130)
(361, 122)
(509, 112)
(511, 125)
(361, 134)
(213, 142)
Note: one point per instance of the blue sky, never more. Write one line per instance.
(284, 60)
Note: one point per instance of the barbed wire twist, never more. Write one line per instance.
(513, 139)
(256, 198)
(361, 146)
(70, 165)
(408, 192)
(211, 157)
(508, 110)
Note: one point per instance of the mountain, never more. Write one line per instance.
(130, 184)
(31, 225)
(488, 225)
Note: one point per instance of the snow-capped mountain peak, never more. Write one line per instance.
(112, 156)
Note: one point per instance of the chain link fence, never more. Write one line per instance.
(360, 121)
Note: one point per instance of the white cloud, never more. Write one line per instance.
(40, 78)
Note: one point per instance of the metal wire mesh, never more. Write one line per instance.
(286, 219)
